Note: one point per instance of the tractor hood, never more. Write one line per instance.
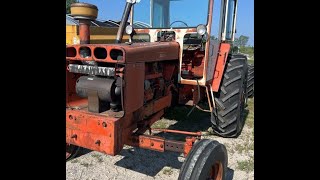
(124, 53)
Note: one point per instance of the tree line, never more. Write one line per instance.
(241, 41)
(240, 45)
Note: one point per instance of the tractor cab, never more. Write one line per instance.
(190, 26)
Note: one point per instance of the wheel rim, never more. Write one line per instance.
(216, 171)
(71, 150)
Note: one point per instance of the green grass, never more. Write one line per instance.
(85, 164)
(248, 144)
(167, 171)
(98, 157)
(100, 160)
(250, 61)
(250, 117)
(247, 50)
(75, 161)
(245, 147)
(246, 166)
(160, 125)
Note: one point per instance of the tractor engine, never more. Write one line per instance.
(127, 89)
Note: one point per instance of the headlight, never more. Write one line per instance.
(129, 29)
(201, 29)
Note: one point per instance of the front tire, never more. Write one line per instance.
(207, 159)
(230, 99)
(71, 151)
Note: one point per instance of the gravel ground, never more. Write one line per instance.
(135, 163)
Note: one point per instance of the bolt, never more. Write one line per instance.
(70, 117)
(152, 144)
(98, 142)
(161, 145)
(104, 124)
(74, 136)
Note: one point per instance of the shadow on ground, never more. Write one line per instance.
(152, 162)
(196, 121)
(148, 162)
(83, 151)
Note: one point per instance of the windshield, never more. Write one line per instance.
(165, 14)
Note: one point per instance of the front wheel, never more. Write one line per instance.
(207, 159)
(71, 151)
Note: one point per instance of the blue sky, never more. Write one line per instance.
(112, 9)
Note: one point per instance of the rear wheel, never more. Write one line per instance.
(207, 159)
(230, 99)
(71, 151)
(250, 85)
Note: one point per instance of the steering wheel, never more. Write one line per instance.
(180, 22)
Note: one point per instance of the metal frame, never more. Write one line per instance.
(223, 20)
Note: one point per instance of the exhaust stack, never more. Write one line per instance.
(85, 13)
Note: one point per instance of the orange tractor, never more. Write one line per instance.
(115, 92)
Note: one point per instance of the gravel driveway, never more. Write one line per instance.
(135, 163)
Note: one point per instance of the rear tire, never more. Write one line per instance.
(208, 159)
(250, 85)
(231, 97)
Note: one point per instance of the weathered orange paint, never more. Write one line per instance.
(220, 66)
(86, 129)
(177, 131)
(157, 105)
(148, 142)
(136, 52)
(84, 31)
(134, 87)
(188, 145)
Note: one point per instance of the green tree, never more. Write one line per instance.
(241, 41)
(247, 50)
(68, 4)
